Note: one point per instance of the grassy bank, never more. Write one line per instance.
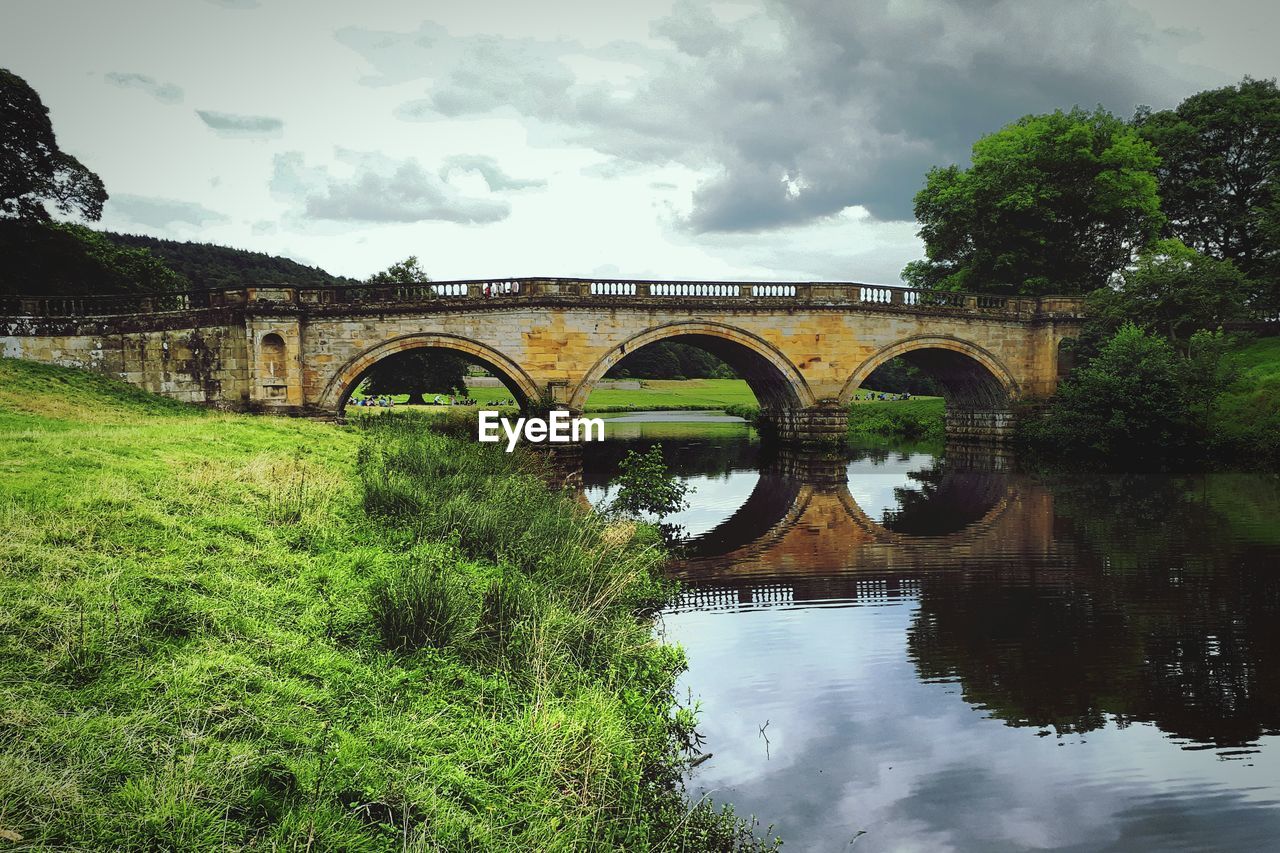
(1245, 422)
(228, 632)
(917, 419)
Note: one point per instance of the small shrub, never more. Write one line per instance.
(646, 486)
(749, 413)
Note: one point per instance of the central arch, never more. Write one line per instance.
(774, 380)
(347, 377)
(970, 375)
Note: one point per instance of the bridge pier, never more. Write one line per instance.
(826, 423)
(978, 426)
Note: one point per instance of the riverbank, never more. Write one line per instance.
(227, 631)
(1245, 421)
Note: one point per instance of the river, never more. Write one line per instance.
(902, 648)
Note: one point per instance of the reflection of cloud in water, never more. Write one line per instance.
(858, 742)
(713, 500)
(872, 482)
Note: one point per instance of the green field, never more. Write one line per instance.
(654, 395)
(234, 632)
(659, 394)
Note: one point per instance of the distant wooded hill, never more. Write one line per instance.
(64, 259)
(209, 266)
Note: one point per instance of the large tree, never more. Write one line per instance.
(416, 372)
(1220, 164)
(1172, 290)
(1052, 203)
(33, 170)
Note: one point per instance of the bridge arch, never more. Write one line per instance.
(970, 375)
(348, 376)
(775, 381)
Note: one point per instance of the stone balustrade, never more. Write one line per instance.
(472, 293)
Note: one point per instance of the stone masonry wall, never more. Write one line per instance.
(204, 362)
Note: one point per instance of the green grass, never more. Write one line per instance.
(234, 632)
(673, 394)
(917, 419)
(1246, 418)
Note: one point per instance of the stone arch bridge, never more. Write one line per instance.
(804, 348)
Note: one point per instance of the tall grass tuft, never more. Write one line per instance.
(421, 605)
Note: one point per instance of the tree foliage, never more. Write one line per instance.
(407, 271)
(1219, 171)
(206, 265)
(418, 372)
(1138, 398)
(1052, 203)
(65, 259)
(645, 485)
(671, 360)
(33, 169)
(1172, 290)
(899, 376)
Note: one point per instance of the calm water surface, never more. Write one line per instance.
(909, 650)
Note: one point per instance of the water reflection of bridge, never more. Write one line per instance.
(1069, 605)
(801, 515)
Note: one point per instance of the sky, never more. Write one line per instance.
(745, 139)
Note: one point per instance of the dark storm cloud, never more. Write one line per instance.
(231, 124)
(488, 168)
(165, 93)
(378, 190)
(162, 212)
(808, 107)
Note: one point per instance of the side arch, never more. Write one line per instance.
(775, 381)
(343, 382)
(992, 382)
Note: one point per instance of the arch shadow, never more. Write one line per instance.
(339, 387)
(970, 375)
(775, 381)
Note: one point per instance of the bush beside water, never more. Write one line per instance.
(227, 632)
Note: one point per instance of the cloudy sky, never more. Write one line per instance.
(753, 139)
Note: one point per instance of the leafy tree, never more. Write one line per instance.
(416, 372)
(404, 272)
(898, 376)
(1266, 290)
(1172, 290)
(1051, 204)
(1138, 398)
(671, 360)
(646, 485)
(33, 170)
(1219, 171)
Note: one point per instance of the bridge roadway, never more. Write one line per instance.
(803, 347)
